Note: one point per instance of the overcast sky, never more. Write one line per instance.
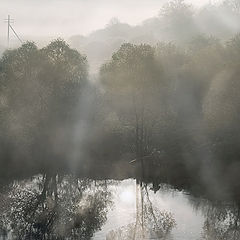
(69, 17)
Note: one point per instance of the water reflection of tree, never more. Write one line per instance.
(151, 222)
(55, 207)
(222, 218)
(222, 222)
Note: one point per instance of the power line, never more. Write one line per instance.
(16, 34)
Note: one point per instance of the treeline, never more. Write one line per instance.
(178, 106)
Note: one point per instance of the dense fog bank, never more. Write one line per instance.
(165, 108)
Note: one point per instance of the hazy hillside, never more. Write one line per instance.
(176, 23)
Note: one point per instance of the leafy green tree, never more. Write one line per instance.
(133, 84)
(40, 91)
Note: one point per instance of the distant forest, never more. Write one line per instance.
(165, 93)
(178, 22)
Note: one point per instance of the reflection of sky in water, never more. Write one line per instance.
(189, 221)
(123, 211)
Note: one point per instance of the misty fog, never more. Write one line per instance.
(120, 120)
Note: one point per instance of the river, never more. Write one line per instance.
(65, 207)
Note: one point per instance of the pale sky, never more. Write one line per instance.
(69, 17)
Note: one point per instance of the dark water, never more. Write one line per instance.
(64, 207)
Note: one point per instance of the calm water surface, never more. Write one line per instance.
(64, 207)
(189, 220)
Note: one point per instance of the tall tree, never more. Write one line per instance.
(133, 83)
(40, 91)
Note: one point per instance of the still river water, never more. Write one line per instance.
(63, 207)
(189, 220)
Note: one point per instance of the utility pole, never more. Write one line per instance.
(9, 21)
(9, 26)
